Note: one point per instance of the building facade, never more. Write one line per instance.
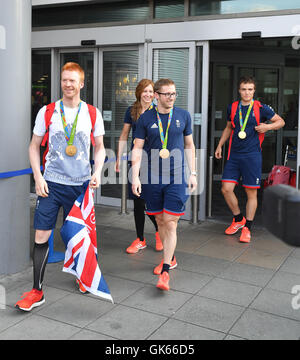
(204, 46)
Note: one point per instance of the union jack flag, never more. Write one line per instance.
(79, 235)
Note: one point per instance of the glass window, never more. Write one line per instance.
(216, 7)
(290, 113)
(168, 9)
(91, 13)
(41, 88)
(41, 81)
(173, 64)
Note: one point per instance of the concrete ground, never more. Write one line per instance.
(221, 289)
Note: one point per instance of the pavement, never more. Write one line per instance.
(221, 289)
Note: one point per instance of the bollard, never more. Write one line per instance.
(54, 256)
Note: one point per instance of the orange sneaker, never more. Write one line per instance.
(245, 235)
(136, 246)
(157, 270)
(30, 300)
(163, 281)
(81, 288)
(235, 226)
(158, 245)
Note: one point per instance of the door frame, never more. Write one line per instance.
(200, 153)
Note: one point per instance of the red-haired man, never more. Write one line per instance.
(67, 168)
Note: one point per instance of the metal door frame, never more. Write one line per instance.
(201, 153)
(106, 200)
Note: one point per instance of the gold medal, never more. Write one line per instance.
(242, 135)
(71, 150)
(164, 153)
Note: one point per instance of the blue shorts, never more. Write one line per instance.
(247, 166)
(47, 208)
(169, 198)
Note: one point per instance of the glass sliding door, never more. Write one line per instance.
(177, 62)
(119, 80)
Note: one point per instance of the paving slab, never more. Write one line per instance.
(179, 330)
(232, 292)
(256, 325)
(125, 322)
(36, 327)
(157, 301)
(209, 313)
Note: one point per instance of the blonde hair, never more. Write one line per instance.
(162, 82)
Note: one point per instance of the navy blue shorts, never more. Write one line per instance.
(246, 166)
(47, 208)
(169, 198)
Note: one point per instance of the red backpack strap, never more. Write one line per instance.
(234, 107)
(256, 109)
(48, 115)
(93, 116)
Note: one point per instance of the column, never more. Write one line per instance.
(15, 105)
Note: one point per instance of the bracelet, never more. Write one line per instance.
(194, 173)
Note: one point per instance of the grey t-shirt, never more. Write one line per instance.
(59, 167)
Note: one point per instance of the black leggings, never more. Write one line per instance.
(139, 218)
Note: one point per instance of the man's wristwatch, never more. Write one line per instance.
(194, 173)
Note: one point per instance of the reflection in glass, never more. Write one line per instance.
(217, 7)
(41, 81)
(41, 88)
(168, 9)
(90, 13)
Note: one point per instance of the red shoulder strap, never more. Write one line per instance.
(234, 107)
(93, 116)
(48, 115)
(256, 109)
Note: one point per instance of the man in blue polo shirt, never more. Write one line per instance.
(167, 130)
(246, 126)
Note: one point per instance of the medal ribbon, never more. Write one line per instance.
(244, 123)
(163, 138)
(69, 137)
